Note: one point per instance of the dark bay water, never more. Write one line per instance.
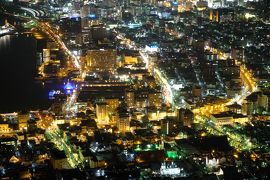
(18, 90)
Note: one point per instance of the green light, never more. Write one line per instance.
(172, 154)
(138, 148)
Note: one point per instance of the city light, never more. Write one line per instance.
(181, 86)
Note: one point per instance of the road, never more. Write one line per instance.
(203, 115)
(159, 76)
(74, 156)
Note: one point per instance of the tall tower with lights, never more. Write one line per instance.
(102, 113)
(211, 15)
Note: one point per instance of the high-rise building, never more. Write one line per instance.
(123, 123)
(264, 101)
(89, 15)
(166, 126)
(113, 103)
(102, 59)
(217, 16)
(130, 98)
(211, 15)
(98, 32)
(102, 113)
(46, 55)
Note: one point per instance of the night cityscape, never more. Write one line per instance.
(135, 89)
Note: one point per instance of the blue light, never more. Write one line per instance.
(51, 94)
(69, 87)
(92, 16)
(75, 17)
(153, 45)
(68, 91)
(134, 25)
(174, 3)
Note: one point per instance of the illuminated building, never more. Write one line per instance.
(217, 16)
(151, 82)
(202, 5)
(113, 103)
(264, 101)
(4, 128)
(250, 104)
(215, 3)
(209, 56)
(125, 73)
(166, 126)
(23, 118)
(223, 119)
(156, 114)
(257, 102)
(239, 118)
(50, 54)
(103, 59)
(130, 98)
(185, 5)
(51, 45)
(131, 60)
(102, 113)
(46, 55)
(8, 140)
(172, 154)
(113, 119)
(94, 91)
(153, 47)
(211, 162)
(69, 87)
(88, 15)
(171, 169)
(211, 15)
(154, 99)
(237, 53)
(123, 123)
(248, 107)
(141, 102)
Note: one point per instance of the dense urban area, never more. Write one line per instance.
(149, 89)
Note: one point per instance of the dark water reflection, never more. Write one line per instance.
(19, 90)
